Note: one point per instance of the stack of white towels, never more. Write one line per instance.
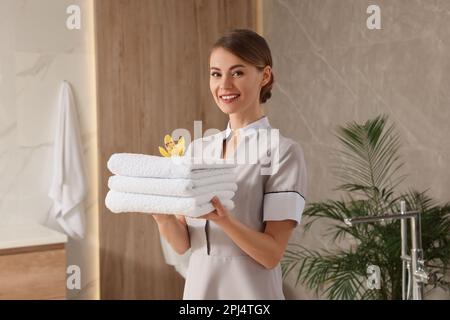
(182, 185)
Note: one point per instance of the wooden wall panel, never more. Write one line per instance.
(152, 77)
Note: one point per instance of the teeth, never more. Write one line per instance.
(229, 97)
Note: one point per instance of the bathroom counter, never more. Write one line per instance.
(28, 235)
(32, 262)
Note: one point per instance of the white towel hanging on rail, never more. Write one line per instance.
(68, 188)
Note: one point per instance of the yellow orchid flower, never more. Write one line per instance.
(172, 148)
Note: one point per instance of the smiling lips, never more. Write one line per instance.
(229, 98)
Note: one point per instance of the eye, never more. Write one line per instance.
(213, 74)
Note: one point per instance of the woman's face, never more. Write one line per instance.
(233, 77)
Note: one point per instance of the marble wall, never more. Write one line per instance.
(330, 69)
(37, 52)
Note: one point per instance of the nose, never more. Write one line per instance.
(226, 82)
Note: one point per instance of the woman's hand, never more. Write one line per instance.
(267, 247)
(219, 215)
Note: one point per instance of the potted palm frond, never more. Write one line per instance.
(368, 170)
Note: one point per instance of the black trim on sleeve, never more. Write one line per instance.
(286, 191)
(208, 246)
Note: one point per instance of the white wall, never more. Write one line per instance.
(37, 52)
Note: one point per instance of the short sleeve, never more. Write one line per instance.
(285, 190)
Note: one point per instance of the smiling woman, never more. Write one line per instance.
(243, 245)
(139, 99)
(238, 60)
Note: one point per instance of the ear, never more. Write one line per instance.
(267, 72)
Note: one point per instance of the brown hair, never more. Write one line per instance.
(252, 48)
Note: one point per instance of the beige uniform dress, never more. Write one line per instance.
(218, 268)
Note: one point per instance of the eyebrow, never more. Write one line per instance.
(235, 66)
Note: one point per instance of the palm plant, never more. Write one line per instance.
(369, 173)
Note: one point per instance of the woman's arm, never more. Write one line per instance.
(174, 230)
(266, 247)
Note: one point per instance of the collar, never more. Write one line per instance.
(262, 123)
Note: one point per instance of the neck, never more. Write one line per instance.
(240, 120)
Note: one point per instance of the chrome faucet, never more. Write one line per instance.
(415, 261)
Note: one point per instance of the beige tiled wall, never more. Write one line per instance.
(330, 69)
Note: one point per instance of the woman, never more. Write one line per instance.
(236, 253)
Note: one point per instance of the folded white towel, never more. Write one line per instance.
(167, 187)
(142, 165)
(119, 202)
